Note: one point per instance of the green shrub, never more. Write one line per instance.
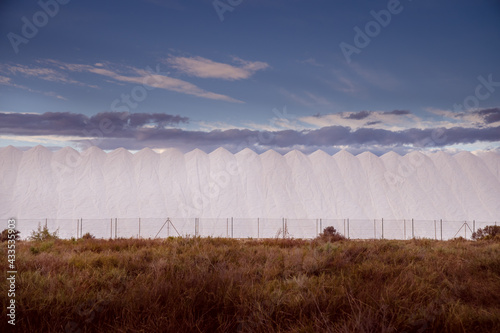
(330, 234)
(43, 234)
(490, 232)
(88, 235)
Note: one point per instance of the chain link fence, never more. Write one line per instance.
(256, 228)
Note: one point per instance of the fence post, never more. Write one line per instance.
(320, 225)
(441, 222)
(404, 228)
(283, 227)
(316, 227)
(232, 227)
(168, 227)
(45, 223)
(435, 230)
(116, 227)
(258, 228)
(473, 226)
(412, 229)
(382, 228)
(111, 229)
(81, 227)
(374, 229)
(348, 231)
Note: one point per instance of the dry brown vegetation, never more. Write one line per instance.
(224, 285)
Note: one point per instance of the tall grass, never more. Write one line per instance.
(223, 285)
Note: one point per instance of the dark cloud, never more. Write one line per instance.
(109, 124)
(398, 112)
(373, 123)
(333, 136)
(357, 115)
(489, 115)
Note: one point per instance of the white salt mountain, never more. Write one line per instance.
(93, 184)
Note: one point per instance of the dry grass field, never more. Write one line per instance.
(224, 285)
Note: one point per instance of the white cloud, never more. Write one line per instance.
(207, 126)
(43, 139)
(7, 81)
(149, 78)
(43, 73)
(206, 68)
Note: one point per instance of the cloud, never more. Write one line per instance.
(150, 77)
(357, 115)
(391, 120)
(398, 112)
(206, 68)
(136, 131)
(42, 73)
(59, 73)
(7, 81)
(110, 124)
(474, 118)
(489, 116)
(327, 138)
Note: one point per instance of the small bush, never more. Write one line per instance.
(88, 235)
(490, 232)
(4, 236)
(330, 234)
(43, 234)
(458, 239)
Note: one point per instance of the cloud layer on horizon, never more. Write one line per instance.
(135, 131)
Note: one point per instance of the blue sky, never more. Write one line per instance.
(258, 74)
